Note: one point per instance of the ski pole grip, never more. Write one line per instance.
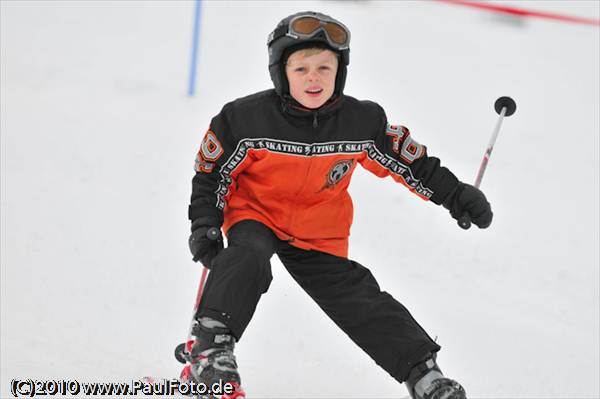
(213, 233)
(464, 221)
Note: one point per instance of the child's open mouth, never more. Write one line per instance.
(314, 92)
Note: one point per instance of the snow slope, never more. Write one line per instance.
(97, 146)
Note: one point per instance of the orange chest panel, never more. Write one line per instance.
(273, 169)
(297, 178)
(299, 189)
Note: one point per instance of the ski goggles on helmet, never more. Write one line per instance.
(306, 26)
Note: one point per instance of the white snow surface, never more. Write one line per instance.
(98, 140)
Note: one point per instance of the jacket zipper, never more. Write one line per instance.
(315, 125)
(305, 180)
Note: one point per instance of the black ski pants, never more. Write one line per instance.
(345, 290)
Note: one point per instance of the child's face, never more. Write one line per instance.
(312, 77)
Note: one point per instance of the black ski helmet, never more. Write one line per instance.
(284, 40)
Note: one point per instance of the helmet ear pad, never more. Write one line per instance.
(279, 77)
(340, 78)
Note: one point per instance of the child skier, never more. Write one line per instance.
(273, 172)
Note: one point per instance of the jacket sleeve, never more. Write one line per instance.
(396, 153)
(211, 183)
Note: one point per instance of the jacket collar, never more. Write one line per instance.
(294, 108)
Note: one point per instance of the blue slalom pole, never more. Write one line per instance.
(195, 40)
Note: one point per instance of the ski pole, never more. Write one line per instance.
(504, 106)
(185, 347)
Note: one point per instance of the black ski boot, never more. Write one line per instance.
(426, 381)
(212, 359)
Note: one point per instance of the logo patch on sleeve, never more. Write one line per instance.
(403, 144)
(397, 134)
(210, 150)
(411, 150)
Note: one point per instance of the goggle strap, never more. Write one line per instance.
(280, 31)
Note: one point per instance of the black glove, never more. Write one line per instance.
(468, 199)
(203, 248)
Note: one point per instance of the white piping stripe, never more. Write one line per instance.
(392, 165)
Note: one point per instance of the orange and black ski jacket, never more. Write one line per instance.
(269, 159)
